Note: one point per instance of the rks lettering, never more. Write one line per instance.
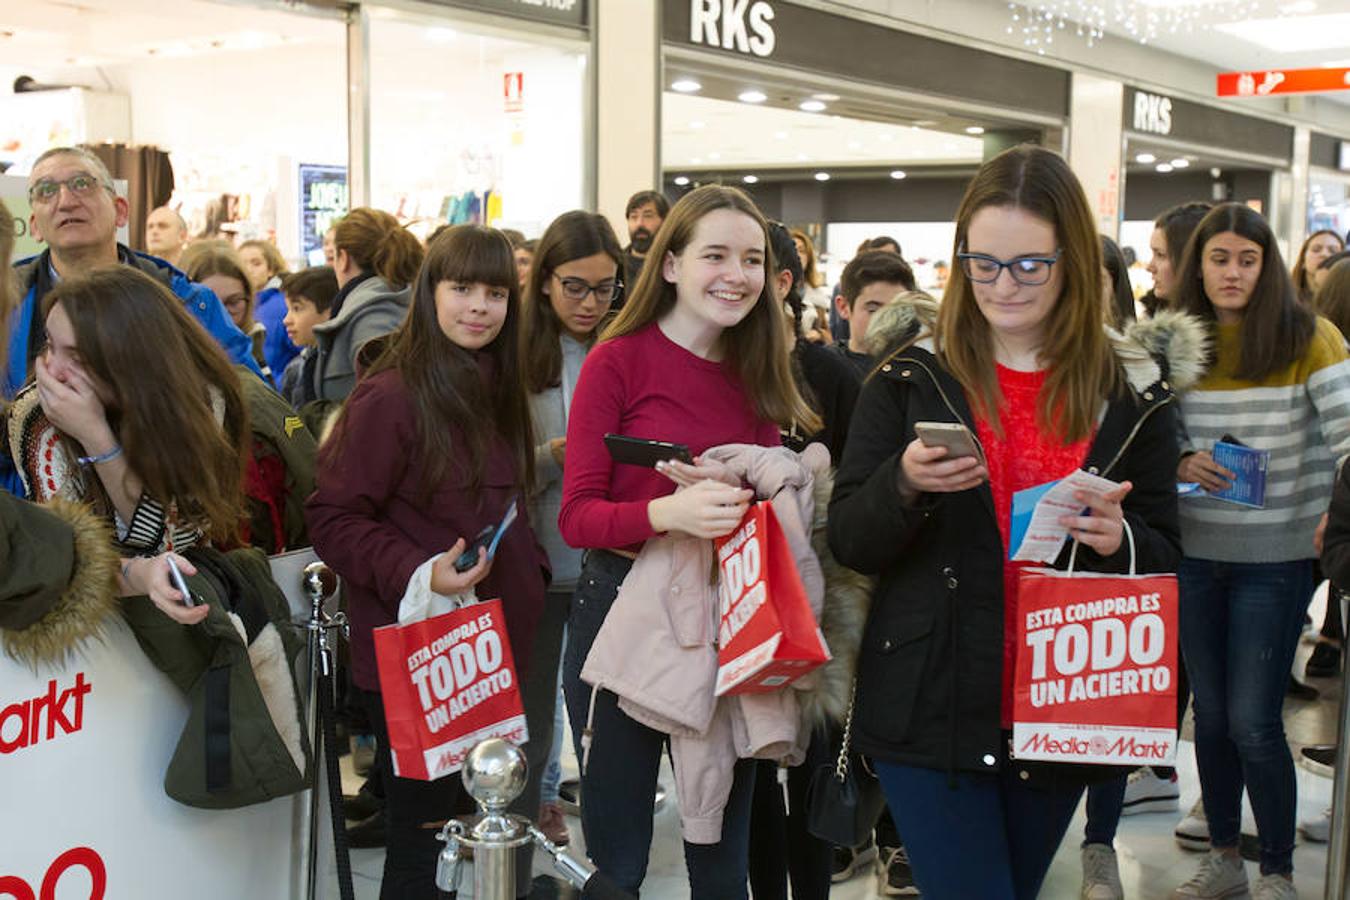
(44, 717)
(733, 25)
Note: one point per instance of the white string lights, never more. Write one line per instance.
(1039, 24)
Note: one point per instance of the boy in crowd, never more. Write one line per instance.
(309, 297)
(870, 281)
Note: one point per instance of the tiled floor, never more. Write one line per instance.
(1151, 863)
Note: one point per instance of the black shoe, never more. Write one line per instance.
(1325, 661)
(1320, 760)
(361, 805)
(1300, 691)
(367, 833)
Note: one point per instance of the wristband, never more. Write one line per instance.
(115, 452)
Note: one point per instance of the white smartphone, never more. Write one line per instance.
(953, 435)
(180, 582)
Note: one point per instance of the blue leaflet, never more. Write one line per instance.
(1249, 466)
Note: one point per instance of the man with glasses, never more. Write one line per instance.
(77, 213)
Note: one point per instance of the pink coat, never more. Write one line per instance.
(661, 658)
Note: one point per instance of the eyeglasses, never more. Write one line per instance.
(1025, 270)
(576, 289)
(81, 185)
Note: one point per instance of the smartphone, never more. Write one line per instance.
(953, 435)
(469, 558)
(180, 582)
(642, 452)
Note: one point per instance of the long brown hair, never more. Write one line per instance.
(377, 243)
(1333, 297)
(756, 348)
(160, 369)
(1077, 352)
(809, 270)
(219, 258)
(276, 263)
(1276, 327)
(447, 386)
(573, 235)
(1300, 273)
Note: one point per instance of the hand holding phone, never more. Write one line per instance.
(644, 452)
(180, 582)
(953, 435)
(943, 459)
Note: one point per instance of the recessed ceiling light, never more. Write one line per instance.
(1145, 158)
(751, 179)
(828, 98)
(811, 106)
(752, 96)
(1180, 163)
(803, 157)
(695, 160)
(686, 86)
(696, 125)
(975, 129)
(682, 180)
(1164, 167)
(822, 176)
(924, 123)
(897, 174)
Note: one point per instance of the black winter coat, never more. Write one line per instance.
(931, 661)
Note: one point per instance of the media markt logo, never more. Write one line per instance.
(30, 722)
(1123, 747)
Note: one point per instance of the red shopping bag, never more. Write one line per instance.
(768, 635)
(1095, 678)
(448, 682)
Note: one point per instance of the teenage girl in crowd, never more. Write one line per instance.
(219, 267)
(265, 267)
(697, 356)
(1308, 272)
(1167, 244)
(375, 260)
(572, 282)
(815, 325)
(1020, 356)
(434, 444)
(1279, 381)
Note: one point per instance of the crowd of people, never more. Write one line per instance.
(385, 407)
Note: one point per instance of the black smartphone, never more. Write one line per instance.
(633, 451)
(1229, 439)
(469, 558)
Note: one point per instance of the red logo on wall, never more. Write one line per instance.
(513, 91)
(33, 721)
(81, 857)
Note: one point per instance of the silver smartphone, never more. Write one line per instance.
(180, 582)
(953, 435)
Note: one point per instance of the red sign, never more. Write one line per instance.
(513, 91)
(1282, 81)
(81, 857)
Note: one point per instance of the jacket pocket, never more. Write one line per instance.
(891, 671)
(690, 600)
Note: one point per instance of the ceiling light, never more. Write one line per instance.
(1180, 163)
(1164, 167)
(752, 96)
(924, 123)
(822, 176)
(681, 180)
(751, 179)
(854, 145)
(803, 157)
(897, 174)
(780, 135)
(828, 98)
(975, 129)
(695, 160)
(686, 86)
(714, 155)
(696, 125)
(1145, 159)
(811, 106)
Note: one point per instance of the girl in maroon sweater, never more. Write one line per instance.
(698, 356)
(433, 444)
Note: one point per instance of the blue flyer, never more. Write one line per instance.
(1249, 466)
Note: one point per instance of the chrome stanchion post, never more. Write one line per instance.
(319, 583)
(1338, 847)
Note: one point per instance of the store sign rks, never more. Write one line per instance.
(1152, 113)
(733, 25)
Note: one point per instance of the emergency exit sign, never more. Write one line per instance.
(1282, 81)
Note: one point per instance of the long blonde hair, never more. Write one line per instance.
(1082, 366)
(755, 348)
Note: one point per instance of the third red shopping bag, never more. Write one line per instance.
(768, 634)
(448, 682)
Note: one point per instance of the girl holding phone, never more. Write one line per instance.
(1019, 355)
(434, 443)
(698, 356)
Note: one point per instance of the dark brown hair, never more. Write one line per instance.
(161, 370)
(377, 243)
(317, 284)
(573, 235)
(1082, 366)
(1300, 272)
(1333, 297)
(870, 267)
(810, 271)
(448, 387)
(218, 258)
(1276, 328)
(755, 349)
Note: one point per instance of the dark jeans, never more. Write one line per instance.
(780, 846)
(989, 836)
(618, 786)
(1240, 624)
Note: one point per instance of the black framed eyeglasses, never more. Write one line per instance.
(81, 185)
(1029, 271)
(576, 289)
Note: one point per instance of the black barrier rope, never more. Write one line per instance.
(326, 747)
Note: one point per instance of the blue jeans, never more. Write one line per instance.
(618, 786)
(1239, 629)
(990, 836)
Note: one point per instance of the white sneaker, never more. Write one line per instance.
(1145, 792)
(1193, 831)
(1101, 874)
(1274, 887)
(1220, 875)
(1318, 828)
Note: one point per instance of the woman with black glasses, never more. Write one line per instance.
(1018, 353)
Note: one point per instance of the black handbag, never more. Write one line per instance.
(844, 800)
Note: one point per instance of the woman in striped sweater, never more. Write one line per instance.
(1279, 381)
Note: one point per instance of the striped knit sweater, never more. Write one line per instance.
(1302, 416)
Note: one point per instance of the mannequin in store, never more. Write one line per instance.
(165, 234)
(645, 212)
